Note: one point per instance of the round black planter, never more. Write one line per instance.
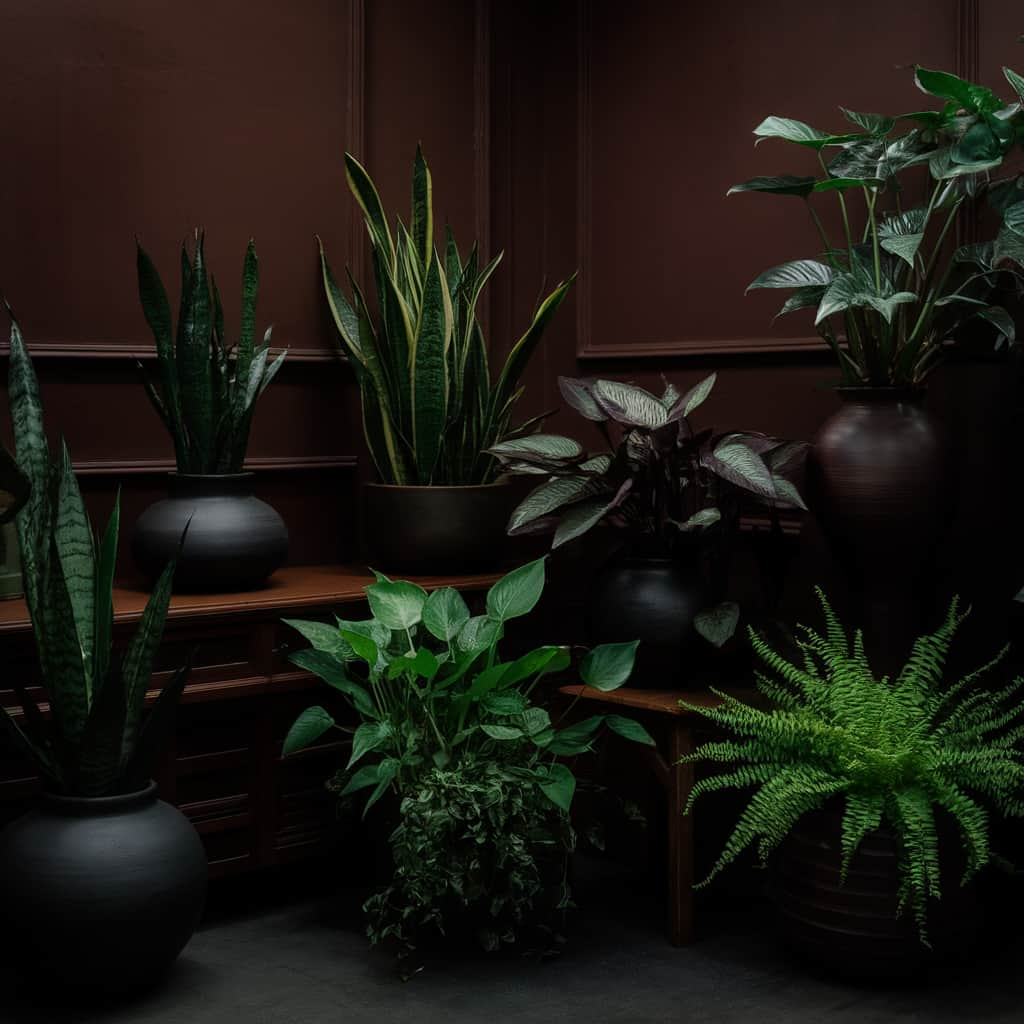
(234, 541)
(653, 600)
(437, 530)
(101, 893)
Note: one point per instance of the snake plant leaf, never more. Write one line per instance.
(345, 318)
(74, 543)
(14, 486)
(157, 728)
(99, 760)
(430, 372)
(106, 562)
(402, 336)
(365, 192)
(793, 274)
(779, 184)
(422, 208)
(192, 358)
(250, 289)
(137, 667)
(32, 751)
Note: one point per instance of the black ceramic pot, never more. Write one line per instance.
(880, 486)
(437, 530)
(655, 600)
(101, 893)
(234, 542)
(854, 928)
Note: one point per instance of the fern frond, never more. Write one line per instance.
(863, 814)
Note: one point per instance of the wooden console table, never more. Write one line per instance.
(673, 726)
(224, 768)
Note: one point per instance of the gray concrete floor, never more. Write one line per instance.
(306, 961)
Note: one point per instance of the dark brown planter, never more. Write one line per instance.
(855, 928)
(437, 530)
(880, 486)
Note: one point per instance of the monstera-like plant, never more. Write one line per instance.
(205, 394)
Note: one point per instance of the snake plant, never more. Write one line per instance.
(95, 741)
(206, 390)
(430, 406)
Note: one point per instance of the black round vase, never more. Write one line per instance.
(437, 530)
(653, 600)
(234, 541)
(101, 893)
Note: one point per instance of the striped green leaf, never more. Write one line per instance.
(99, 760)
(422, 208)
(192, 358)
(365, 193)
(106, 563)
(430, 372)
(156, 730)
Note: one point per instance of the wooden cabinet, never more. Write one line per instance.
(224, 767)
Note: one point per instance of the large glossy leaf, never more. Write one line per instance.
(547, 447)
(694, 398)
(540, 661)
(629, 404)
(478, 633)
(779, 184)
(718, 624)
(738, 463)
(332, 671)
(517, 593)
(368, 737)
(887, 305)
(794, 274)
(576, 738)
(797, 131)
(807, 297)
(558, 784)
(307, 729)
(874, 124)
(577, 393)
(630, 729)
(549, 497)
(1016, 81)
(445, 613)
(323, 637)
(608, 666)
(902, 234)
(579, 518)
(396, 604)
(430, 372)
(942, 165)
(845, 184)
(946, 86)
(1001, 320)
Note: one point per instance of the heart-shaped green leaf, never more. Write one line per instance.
(517, 593)
(608, 666)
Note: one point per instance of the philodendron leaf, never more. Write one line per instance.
(845, 183)
(579, 518)
(517, 593)
(1001, 320)
(577, 393)
(700, 520)
(903, 233)
(423, 665)
(694, 398)
(369, 736)
(576, 738)
(1016, 81)
(478, 633)
(974, 98)
(802, 134)
(608, 666)
(736, 462)
(323, 637)
(1013, 218)
(807, 297)
(362, 646)
(332, 671)
(794, 274)
(445, 613)
(502, 732)
(398, 604)
(717, 625)
(875, 124)
(628, 404)
(779, 184)
(887, 305)
(550, 496)
(540, 446)
(630, 729)
(558, 784)
(307, 729)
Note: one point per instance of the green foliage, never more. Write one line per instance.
(457, 734)
(95, 741)
(891, 290)
(430, 406)
(897, 750)
(206, 390)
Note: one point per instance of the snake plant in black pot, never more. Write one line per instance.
(205, 393)
(672, 491)
(102, 884)
(431, 407)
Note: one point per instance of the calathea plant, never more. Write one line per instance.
(430, 405)
(206, 389)
(897, 751)
(890, 289)
(458, 738)
(95, 741)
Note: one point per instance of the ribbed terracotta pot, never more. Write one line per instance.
(880, 486)
(234, 540)
(437, 530)
(854, 927)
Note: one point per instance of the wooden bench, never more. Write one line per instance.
(674, 728)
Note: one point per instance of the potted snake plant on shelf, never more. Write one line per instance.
(886, 293)
(872, 796)
(205, 394)
(431, 406)
(455, 738)
(102, 883)
(673, 493)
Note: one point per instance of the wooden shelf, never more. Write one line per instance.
(297, 586)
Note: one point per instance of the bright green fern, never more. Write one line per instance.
(897, 750)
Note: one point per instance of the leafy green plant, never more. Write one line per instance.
(206, 390)
(430, 407)
(435, 702)
(95, 741)
(896, 750)
(891, 288)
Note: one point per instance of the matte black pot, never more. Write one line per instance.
(101, 893)
(654, 600)
(880, 486)
(437, 530)
(854, 928)
(234, 542)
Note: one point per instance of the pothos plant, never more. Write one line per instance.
(895, 751)
(458, 737)
(663, 482)
(890, 288)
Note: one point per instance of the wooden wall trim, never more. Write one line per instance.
(968, 65)
(482, 143)
(355, 129)
(93, 350)
(264, 464)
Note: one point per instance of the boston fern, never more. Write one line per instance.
(206, 390)
(891, 288)
(94, 742)
(455, 733)
(430, 407)
(896, 750)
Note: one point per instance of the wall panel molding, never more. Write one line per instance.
(260, 464)
(102, 350)
(355, 129)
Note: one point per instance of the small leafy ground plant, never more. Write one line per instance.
(455, 737)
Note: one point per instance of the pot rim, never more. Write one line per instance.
(502, 481)
(881, 392)
(246, 474)
(86, 806)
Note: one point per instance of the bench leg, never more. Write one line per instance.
(680, 837)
